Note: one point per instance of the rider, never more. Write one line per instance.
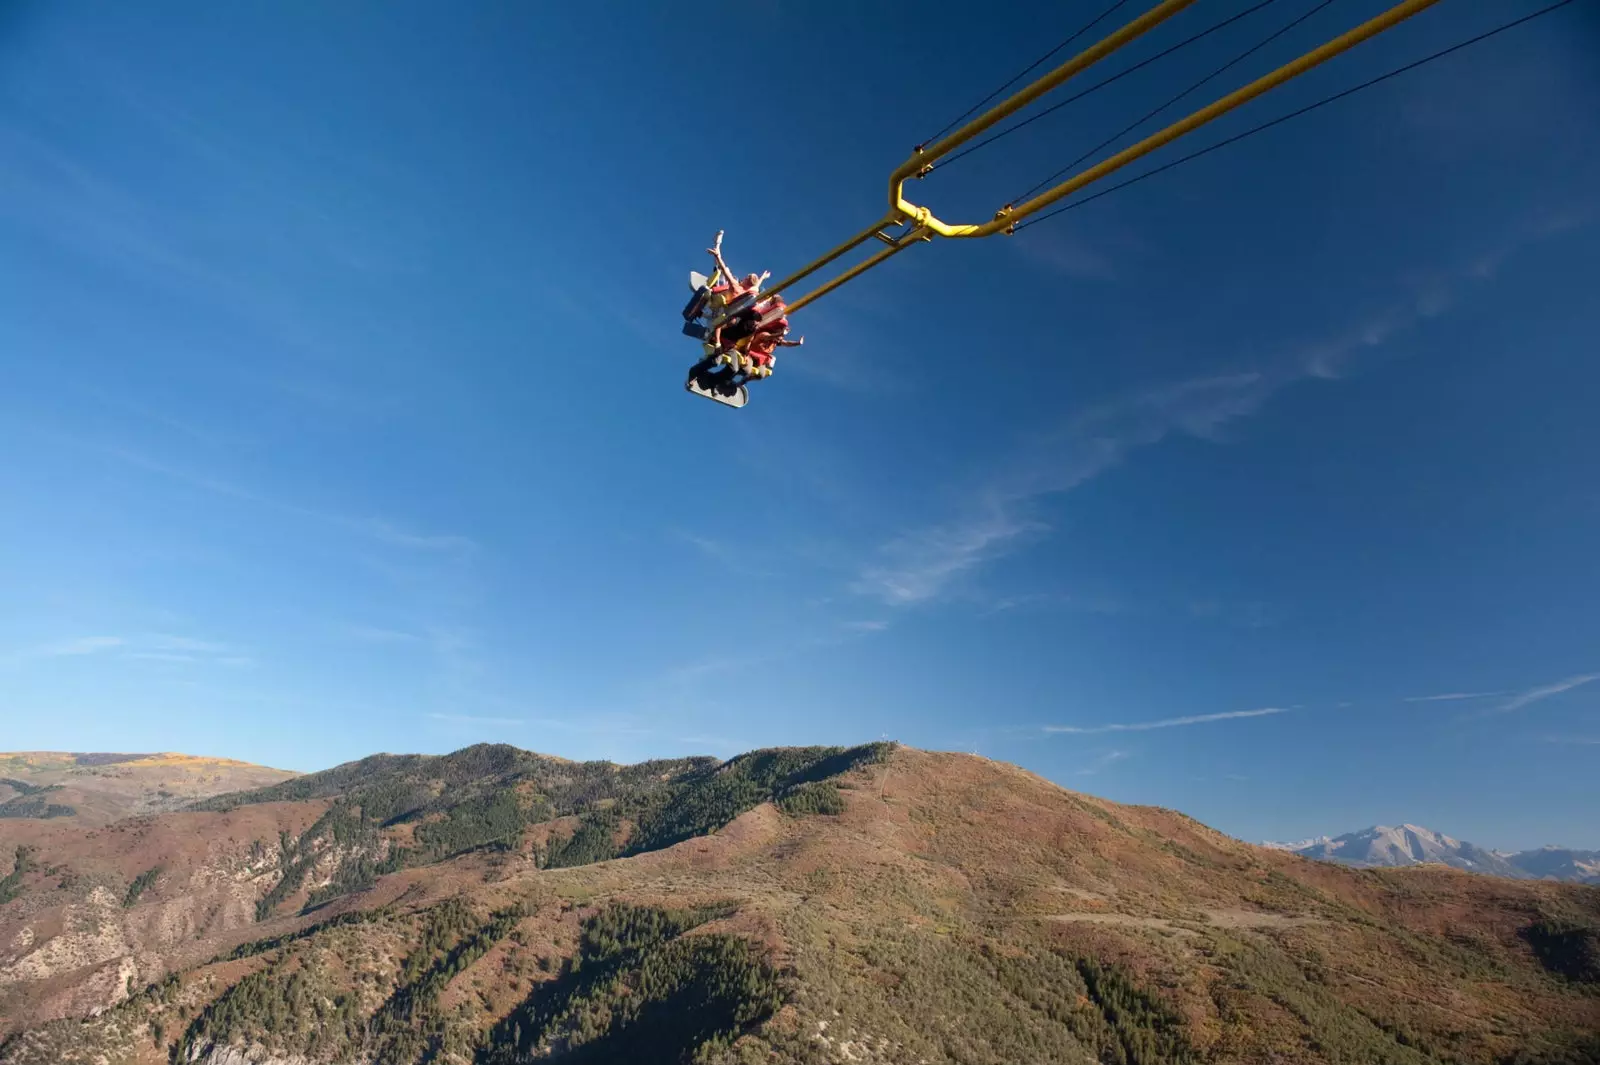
(731, 292)
(771, 333)
(759, 357)
(758, 322)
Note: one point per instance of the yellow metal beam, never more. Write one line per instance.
(854, 242)
(1144, 23)
(1025, 96)
(1266, 83)
(898, 246)
(926, 226)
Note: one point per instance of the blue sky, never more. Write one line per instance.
(340, 395)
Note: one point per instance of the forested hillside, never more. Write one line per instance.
(804, 906)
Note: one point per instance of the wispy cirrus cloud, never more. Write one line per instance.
(475, 719)
(1003, 604)
(184, 650)
(390, 533)
(68, 648)
(718, 744)
(919, 565)
(378, 529)
(181, 658)
(1109, 758)
(107, 217)
(597, 725)
(1000, 516)
(378, 634)
(923, 564)
(710, 547)
(1539, 694)
(1083, 604)
(727, 554)
(1446, 697)
(187, 644)
(1514, 699)
(147, 647)
(82, 645)
(1070, 255)
(1170, 722)
(718, 664)
(710, 666)
(1250, 614)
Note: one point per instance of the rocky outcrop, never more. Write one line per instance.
(74, 943)
(251, 1055)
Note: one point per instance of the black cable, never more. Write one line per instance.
(1030, 120)
(1241, 57)
(1296, 114)
(1081, 31)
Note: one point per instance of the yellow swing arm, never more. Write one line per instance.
(925, 226)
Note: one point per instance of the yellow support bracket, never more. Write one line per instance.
(925, 226)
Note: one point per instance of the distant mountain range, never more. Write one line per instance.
(1383, 845)
(99, 788)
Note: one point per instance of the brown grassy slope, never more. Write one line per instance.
(945, 916)
(961, 854)
(102, 788)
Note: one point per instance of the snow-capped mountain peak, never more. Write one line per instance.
(1413, 844)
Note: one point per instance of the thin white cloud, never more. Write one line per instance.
(389, 533)
(164, 642)
(1107, 759)
(166, 647)
(714, 743)
(727, 555)
(1069, 254)
(712, 548)
(1545, 691)
(1013, 602)
(379, 529)
(1452, 696)
(1171, 722)
(78, 645)
(1249, 614)
(83, 645)
(712, 669)
(922, 565)
(154, 647)
(378, 634)
(473, 719)
(1083, 604)
(710, 666)
(919, 565)
(596, 725)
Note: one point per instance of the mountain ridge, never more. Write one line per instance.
(890, 905)
(1412, 844)
(103, 787)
